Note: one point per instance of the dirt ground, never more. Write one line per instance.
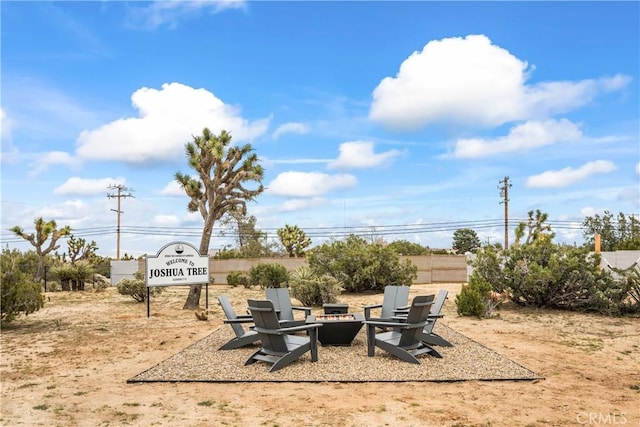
(67, 365)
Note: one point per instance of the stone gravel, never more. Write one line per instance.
(466, 360)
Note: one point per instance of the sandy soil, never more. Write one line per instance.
(67, 365)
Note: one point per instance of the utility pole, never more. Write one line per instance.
(119, 195)
(504, 193)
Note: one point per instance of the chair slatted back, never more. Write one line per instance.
(441, 296)
(225, 303)
(264, 316)
(419, 311)
(394, 297)
(281, 301)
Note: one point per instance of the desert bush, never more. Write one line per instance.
(100, 283)
(469, 302)
(19, 293)
(543, 274)
(478, 298)
(361, 266)
(136, 288)
(269, 275)
(236, 278)
(313, 290)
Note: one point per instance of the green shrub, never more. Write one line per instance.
(236, 278)
(313, 290)
(469, 302)
(270, 275)
(478, 298)
(19, 292)
(542, 274)
(361, 266)
(137, 288)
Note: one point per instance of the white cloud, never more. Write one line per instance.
(308, 184)
(173, 188)
(588, 211)
(359, 154)
(171, 11)
(293, 127)
(568, 176)
(80, 186)
(472, 81)
(167, 119)
(524, 136)
(42, 161)
(299, 204)
(638, 168)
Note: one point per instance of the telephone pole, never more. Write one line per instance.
(119, 195)
(504, 193)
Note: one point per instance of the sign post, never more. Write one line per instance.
(176, 264)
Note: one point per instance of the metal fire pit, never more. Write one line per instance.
(337, 329)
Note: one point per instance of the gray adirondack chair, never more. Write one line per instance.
(279, 347)
(394, 298)
(243, 336)
(282, 303)
(428, 336)
(405, 340)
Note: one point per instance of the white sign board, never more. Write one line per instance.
(177, 263)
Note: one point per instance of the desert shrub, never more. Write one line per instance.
(73, 276)
(236, 278)
(542, 274)
(269, 275)
(136, 288)
(19, 293)
(313, 290)
(478, 298)
(100, 283)
(361, 266)
(469, 302)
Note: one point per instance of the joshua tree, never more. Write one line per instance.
(44, 231)
(294, 240)
(223, 171)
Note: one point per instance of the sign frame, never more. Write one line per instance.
(176, 264)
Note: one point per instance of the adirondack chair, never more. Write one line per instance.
(428, 336)
(243, 336)
(282, 303)
(395, 297)
(279, 347)
(405, 340)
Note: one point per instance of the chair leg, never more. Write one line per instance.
(313, 343)
(435, 339)
(371, 340)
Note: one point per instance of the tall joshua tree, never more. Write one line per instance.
(223, 171)
(44, 231)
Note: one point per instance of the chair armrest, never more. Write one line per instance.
(307, 310)
(285, 331)
(368, 308)
(402, 325)
(242, 320)
(403, 308)
(244, 316)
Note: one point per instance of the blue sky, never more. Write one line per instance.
(391, 118)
